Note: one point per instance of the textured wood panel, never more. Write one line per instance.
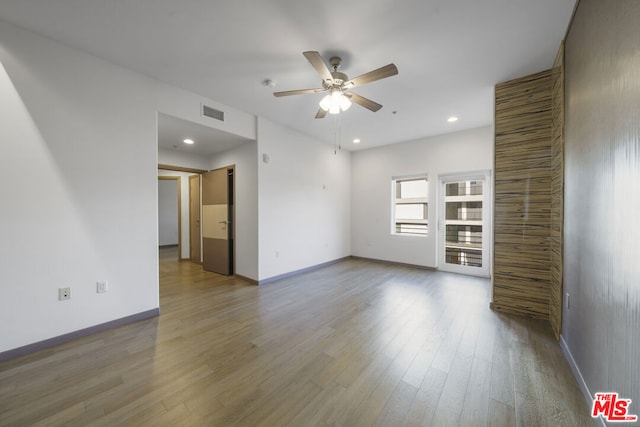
(523, 173)
(557, 192)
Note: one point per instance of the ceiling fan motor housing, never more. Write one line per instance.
(338, 79)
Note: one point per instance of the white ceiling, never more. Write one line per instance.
(450, 53)
(172, 131)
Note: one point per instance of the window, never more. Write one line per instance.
(410, 213)
(463, 223)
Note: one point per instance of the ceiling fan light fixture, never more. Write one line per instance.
(345, 102)
(335, 102)
(325, 103)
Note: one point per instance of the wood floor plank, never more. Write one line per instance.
(421, 364)
(397, 406)
(359, 391)
(354, 343)
(449, 405)
(500, 414)
(319, 407)
(426, 400)
(475, 406)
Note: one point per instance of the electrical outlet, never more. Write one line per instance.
(64, 294)
(102, 286)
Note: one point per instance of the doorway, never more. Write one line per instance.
(169, 215)
(464, 223)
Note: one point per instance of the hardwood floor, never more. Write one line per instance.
(353, 344)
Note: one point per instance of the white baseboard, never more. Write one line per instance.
(584, 388)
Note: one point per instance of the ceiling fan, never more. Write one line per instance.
(339, 85)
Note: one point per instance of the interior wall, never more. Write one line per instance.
(602, 201)
(167, 212)
(182, 159)
(245, 159)
(372, 171)
(70, 219)
(303, 201)
(67, 223)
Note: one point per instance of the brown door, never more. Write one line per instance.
(194, 218)
(216, 221)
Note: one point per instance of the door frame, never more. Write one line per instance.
(175, 178)
(487, 222)
(199, 221)
(232, 215)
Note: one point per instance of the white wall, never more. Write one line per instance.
(601, 198)
(187, 106)
(304, 205)
(180, 158)
(371, 174)
(245, 160)
(167, 212)
(78, 184)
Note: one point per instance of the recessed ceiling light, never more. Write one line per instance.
(188, 141)
(356, 140)
(452, 119)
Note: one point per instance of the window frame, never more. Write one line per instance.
(395, 201)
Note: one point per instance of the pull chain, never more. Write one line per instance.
(336, 125)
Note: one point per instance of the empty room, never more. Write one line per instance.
(285, 213)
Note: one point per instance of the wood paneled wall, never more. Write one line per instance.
(557, 192)
(523, 161)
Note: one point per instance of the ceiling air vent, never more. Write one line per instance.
(213, 113)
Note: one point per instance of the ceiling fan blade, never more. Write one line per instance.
(380, 73)
(298, 92)
(364, 102)
(321, 113)
(316, 60)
